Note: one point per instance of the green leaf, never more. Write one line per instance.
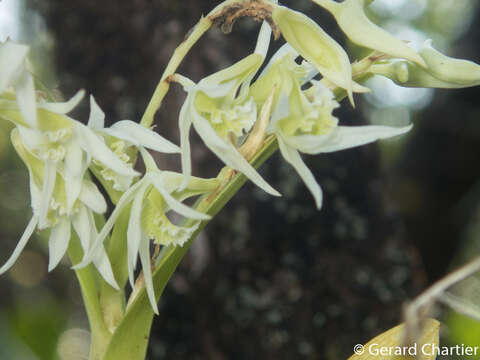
(390, 344)
(89, 279)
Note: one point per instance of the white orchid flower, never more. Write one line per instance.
(220, 110)
(120, 138)
(59, 140)
(306, 124)
(14, 74)
(151, 198)
(60, 218)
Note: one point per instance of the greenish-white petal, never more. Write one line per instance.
(134, 232)
(82, 226)
(351, 136)
(74, 160)
(64, 107)
(309, 144)
(102, 263)
(263, 40)
(292, 156)
(100, 259)
(174, 204)
(92, 197)
(96, 120)
(32, 139)
(73, 187)
(214, 88)
(281, 111)
(73, 175)
(279, 54)
(32, 224)
(25, 92)
(35, 194)
(196, 186)
(144, 137)
(230, 155)
(147, 272)
(91, 143)
(49, 176)
(124, 200)
(185, 123)
(222, 82)
(12, 58)
(58, 242)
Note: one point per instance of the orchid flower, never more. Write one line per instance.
(221, 111)
(121, 138)
(151, 198)
(304, 123)
(60, 141)
(60, 218)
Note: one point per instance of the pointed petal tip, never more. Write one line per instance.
(21, 245)
(357, 88)
(52, 265)
(83, 263)
(144, 136)
(350, 98)
(275, 193)
(428, 43)
(205, 217)
(113, 283)
(420, 61)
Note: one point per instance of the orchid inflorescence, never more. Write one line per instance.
(291, 101)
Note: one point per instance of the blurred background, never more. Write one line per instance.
(269, 278)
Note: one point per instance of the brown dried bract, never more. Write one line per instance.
(257, 10)
(170, 78)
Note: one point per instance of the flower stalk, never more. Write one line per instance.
(213, 17)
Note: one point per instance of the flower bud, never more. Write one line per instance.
(351, 17)
(314, 44)
(407, 74)
(448, 69)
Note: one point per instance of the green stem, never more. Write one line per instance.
(88, 279)
(130, 340)
(112, 300)
(179, 54)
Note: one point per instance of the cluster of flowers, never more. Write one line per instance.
(285, 101)
(58, 150)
